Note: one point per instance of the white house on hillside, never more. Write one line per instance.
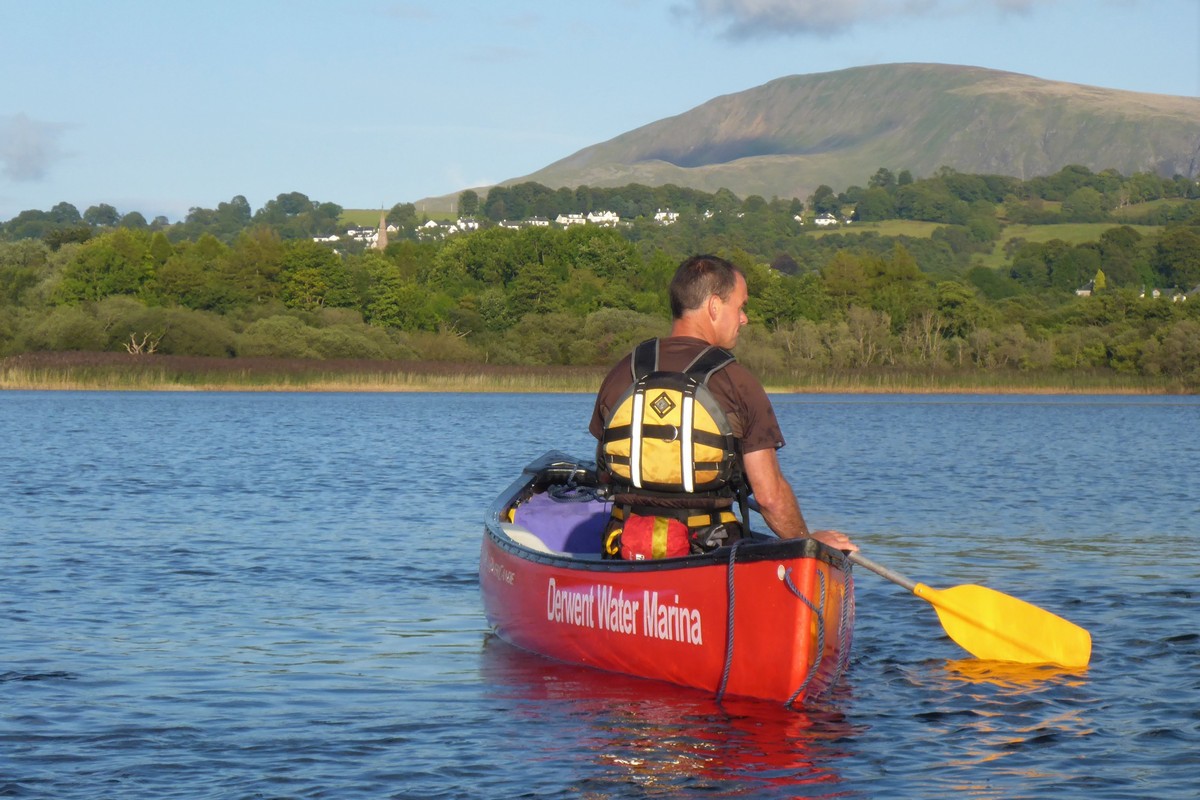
(607, 218)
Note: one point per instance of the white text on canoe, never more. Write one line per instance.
(608, 609)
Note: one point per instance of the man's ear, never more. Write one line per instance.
(714, 306)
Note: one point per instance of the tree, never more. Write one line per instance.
(1179, 353)
(958, 308)
(101, 216)
(898, 287)
(22, 264)
(876, 204)
(66, 328)
(314, 277)
(870, 331)
(754, 204)
(134, 220)
(35, 224)
(1084, 205)
(824, 201)
(112, 263)
(65, 214)
(295, 216)
(533, 291)
(468, 203)
(254, 264)
(1176, 258)
(775, 301)
(845, 278)
(160, 248)
(882, 179)
(195, 275)
(401, 303)
(57, 237)
(403, 216)
(495, 207)
(233, 217)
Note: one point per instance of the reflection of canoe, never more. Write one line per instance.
(671, 740)
(546, 589)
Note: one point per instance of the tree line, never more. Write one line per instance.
(235, 282)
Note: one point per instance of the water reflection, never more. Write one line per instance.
(664, 739)
(1011, 675)
(1001, 729)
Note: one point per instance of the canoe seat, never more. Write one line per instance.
(526, 538)
(574, 526)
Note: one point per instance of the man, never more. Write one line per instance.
(708, 307)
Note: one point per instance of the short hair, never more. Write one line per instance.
(699, 278)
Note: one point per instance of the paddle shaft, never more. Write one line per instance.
(879, 569)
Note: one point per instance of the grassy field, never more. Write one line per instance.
(890, 227)
(1140, 209)
(369, 218)
(360, 217)
(1073, 233)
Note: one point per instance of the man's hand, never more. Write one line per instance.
(836, 540)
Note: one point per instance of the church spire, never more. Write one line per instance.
(381, 241)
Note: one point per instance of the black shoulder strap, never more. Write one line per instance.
(644, 359)
(704, 365)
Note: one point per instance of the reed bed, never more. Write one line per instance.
(122, 372)
(977, 382)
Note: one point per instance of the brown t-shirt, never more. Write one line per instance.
(739, 393)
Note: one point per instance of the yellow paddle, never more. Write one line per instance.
(994, 626)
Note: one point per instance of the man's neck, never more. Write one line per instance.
(692, 326)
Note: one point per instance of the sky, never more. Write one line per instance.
(159, 107)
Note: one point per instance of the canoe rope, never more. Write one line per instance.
(843, 622)
(816, 610)
(729, 622)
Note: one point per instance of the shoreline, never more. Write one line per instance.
(123, 372)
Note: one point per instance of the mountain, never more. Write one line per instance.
(787, 137)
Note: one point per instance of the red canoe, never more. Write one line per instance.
(546, 589)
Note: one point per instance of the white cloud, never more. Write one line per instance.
(746, 19)
(28, 147)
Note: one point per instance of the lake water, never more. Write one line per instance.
(276, 595)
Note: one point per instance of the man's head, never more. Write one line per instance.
(708, 300)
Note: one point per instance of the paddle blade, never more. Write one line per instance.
(992, 625)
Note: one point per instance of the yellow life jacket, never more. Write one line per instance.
(667, 434)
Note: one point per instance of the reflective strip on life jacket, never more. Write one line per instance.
(635, 439)
(687, 465)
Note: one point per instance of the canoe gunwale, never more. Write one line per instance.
(556, 465)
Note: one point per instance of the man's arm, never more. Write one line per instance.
(777, 502)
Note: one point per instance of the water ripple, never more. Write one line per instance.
(287, 605)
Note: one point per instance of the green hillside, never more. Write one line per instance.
(787, 137)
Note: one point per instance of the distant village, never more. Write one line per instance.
(377, 237)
